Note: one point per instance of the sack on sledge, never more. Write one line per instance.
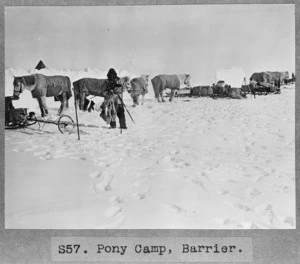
(201, 91)
(15, 116)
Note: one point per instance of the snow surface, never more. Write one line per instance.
(195, 163)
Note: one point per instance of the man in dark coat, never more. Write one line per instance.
(112, 87)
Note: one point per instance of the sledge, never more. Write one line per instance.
(16, 118)
(178, 93)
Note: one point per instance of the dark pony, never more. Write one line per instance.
(91, 86)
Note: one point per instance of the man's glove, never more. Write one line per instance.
(118, 89)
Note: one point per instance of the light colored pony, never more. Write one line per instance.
(42, 86)
(139, 87)
(269, 77)
(173, 82)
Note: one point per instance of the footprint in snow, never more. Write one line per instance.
(142, 182)
(204, 174)
(102, 187)
(222, 192)
(252, 193)
(242, 207)
(232, 224)
(138, 196)
(113, 211)
(284, 188)
(269, 213)
(247, 149)
(116, 199)
(105, 184)
(263, 147)
(173, 207)
(16, 150)
(198, 182)
(95, 174)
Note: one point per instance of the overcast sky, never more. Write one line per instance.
(195, 39)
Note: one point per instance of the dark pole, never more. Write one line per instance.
(122, 100)
(76, 113)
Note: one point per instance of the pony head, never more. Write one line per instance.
(187, 80)
(18, 86)
(125, 82)
(145, 78)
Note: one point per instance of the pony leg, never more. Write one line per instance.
(67, 103)
(77, 98)
(162, 95)
(156, 92)
(132, 97)
(162, 89)
(41, 106)
(86, 104)
(59, 110)
(143, 96)
(59, 97)
(135, 100)
(43, 100)
(82, 100)
(172, 95)
(63, 101)
(158, 97)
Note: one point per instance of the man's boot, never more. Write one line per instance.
(121, 116)
(123, 123)
(113, 124)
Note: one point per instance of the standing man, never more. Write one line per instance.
(113, 87)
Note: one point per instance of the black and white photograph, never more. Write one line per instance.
(150, 117)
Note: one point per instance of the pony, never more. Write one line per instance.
(42, 86)
(173, 82)
(270, 77)
(90, 86)
(139, 87)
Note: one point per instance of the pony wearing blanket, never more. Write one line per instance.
(139, 87)
(90, 86)
(173, 82)
(42, 86)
